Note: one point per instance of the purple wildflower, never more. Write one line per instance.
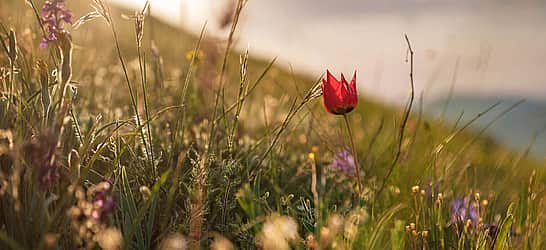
(344, 161)
(462, 209)
(54, 15)
(104, 200)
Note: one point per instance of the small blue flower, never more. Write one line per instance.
(462, 209)
(344, 161)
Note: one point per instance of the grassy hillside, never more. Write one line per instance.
(522, 128)
(79, 170)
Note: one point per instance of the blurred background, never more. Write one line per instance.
(470, 54)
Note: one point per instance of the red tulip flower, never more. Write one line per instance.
(340, 97)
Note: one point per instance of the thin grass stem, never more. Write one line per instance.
(355, 155)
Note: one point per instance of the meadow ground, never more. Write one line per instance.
(127, 133)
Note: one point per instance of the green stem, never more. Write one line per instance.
(149, 147)
(355, 157)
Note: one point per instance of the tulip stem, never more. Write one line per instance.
(355, 157)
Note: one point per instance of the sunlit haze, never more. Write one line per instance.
(499, 45)
(122, 127)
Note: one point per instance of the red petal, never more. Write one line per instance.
(352, 86)
(331, 79)
(344, 81)
(331, 92)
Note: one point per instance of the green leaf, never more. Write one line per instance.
(397, 235)
(502, 238)
(380, 225)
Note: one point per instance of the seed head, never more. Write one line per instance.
(221, 243)
(110, 239)
(174, 242)
(424, 233)
(326, 236)
(311, 242)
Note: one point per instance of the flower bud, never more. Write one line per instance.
(340, 97)
(145, 192)
(415, 189)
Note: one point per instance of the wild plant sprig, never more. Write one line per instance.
(314, 92)
(102, 10)
(243, 89)
(180, 123)
(139, 30)
(407, 113)
(220, 90)
(250, 89)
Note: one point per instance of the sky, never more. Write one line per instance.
(480, 47)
